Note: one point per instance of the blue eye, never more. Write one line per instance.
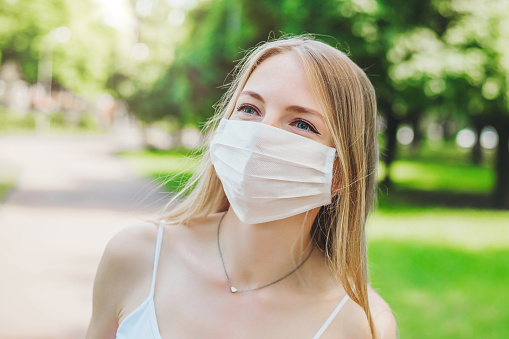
(305, 126)
(246, 109)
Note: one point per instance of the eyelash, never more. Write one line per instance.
(307, 123)
(241, 107)
(311, 127)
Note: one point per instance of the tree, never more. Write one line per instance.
(28, 34)
(469, 65)
(421, 57)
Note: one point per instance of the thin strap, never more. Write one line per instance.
(156, 259)
(331, 317)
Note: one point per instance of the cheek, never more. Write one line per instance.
(327, 136)
(329, 141)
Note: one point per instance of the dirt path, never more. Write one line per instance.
(72, 197)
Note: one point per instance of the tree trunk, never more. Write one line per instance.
(449, 130)
(501, 189)
(416, 142)
(391, 147)
(476, 150)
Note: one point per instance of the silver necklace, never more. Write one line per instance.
(234, 289)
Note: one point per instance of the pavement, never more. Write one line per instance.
(72, 196)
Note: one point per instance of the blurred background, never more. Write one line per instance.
(100, 101)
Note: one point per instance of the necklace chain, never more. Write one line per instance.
(234, 289)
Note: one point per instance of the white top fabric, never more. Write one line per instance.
(142, 322)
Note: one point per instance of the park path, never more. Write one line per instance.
(73, 195)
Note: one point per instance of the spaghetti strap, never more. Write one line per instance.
(331, 317)
(156, 259)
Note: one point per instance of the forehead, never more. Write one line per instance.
(282, 77)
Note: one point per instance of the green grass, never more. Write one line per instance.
(12, 122)
(426, 176)
(444, 169)
(437, 253)
(441, 291)
(171, 168)
(444, 271)
(462, 228)
(8, 179)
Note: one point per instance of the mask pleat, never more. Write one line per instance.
(268, 173)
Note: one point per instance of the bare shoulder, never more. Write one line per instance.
(127, 256)
(126, 263)
(382, 315)
(354, 324)
(131, 245)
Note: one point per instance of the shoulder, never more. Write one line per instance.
(128, 254)
(354, 324)
(127, 258)
(382, 315)
(125, 269)
(133, 241)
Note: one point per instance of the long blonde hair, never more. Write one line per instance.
(348, 102)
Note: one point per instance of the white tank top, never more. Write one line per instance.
(142, 322)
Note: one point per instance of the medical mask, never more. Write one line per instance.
(269, 173)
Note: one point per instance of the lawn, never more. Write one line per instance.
(437, 253)
(444, 271)
(15, 123)
(8, 178)
(170, 168)
(441, 291)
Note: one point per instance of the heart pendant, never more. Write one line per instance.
(233, 289)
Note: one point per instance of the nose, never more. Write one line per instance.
(271, 119)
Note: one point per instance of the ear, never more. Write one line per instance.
(335, 187)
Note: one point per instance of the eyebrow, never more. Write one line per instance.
(253, 94)
(294, 108)
(300, 109)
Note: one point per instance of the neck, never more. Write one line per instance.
(258, 254)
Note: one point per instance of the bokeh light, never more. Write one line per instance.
(489, 138)
(140, 51)
(405, 135)
(62, 34)
(466, 138)
(176, 17)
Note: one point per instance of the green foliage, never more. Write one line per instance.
(462, 60)
(27, 35)
(438, 60)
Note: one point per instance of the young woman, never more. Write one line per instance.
(270, 243)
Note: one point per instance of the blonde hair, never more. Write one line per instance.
(347, 99)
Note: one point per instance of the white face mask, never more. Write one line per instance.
(269, 173)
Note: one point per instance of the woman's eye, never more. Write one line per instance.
(305, 126)
(246, 109)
